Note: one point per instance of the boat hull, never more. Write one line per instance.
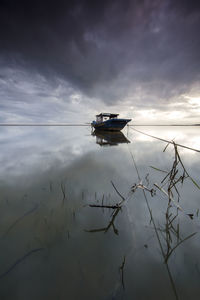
(111, 124)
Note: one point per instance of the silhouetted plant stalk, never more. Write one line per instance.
(143, 187)
(171, 226)
(171, 181)
(170, 232)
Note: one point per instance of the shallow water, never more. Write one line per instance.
(55, 246)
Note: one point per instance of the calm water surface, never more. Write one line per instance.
(55, 246)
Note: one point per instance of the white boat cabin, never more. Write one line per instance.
(105, 116)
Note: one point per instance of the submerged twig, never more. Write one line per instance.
(63, 192)
(21, 218)
(19, 261)
(143, 187)
(50, 186)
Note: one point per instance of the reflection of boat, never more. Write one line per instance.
(110, 138)
(106, 121)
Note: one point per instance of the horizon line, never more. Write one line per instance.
(87, 124)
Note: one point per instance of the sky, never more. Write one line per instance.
(65, 61)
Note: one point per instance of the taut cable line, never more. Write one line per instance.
(163, 140)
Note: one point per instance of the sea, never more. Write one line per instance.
(95, 215)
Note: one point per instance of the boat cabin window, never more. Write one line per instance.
(104, 117)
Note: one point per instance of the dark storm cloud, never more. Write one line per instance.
(185, 7)
(105, 48)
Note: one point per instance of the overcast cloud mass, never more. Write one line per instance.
(64, 61)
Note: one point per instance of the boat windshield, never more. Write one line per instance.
(103, 117)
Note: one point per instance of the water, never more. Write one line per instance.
(55, 246)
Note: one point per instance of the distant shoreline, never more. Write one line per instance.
(88, 124)
(10, 124)
(167, 125)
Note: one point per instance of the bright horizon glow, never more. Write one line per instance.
(33, 99)
(193, 100)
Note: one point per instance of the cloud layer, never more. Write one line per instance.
(145, 51)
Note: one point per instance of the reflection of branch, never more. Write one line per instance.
(111, 223)
(63, 191)
(121, 270)
(116, 208)
(178, 244)
(105, 206)
(123, 199)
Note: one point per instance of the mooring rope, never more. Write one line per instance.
(163, 140)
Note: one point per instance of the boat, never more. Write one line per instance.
(111, 122)
(109, 138)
